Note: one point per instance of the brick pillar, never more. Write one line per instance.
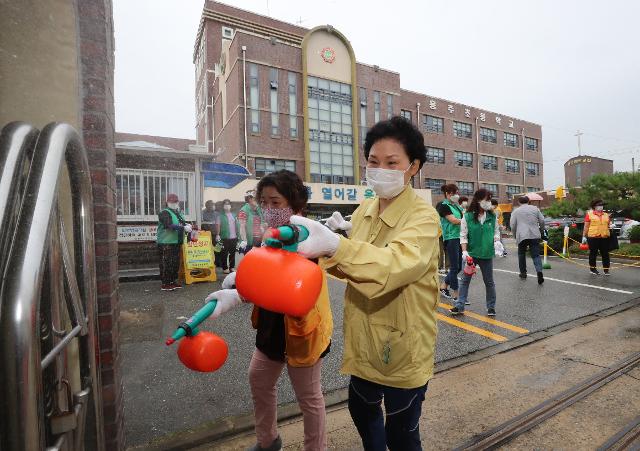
(95, 40)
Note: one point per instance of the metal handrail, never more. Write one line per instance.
(21, 394)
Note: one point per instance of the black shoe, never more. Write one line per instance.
(275, 446)
(455, 311)
(606, 272)
(491, 312)
(522, 275)
(445, 292)
(595, 272)
(540, 278)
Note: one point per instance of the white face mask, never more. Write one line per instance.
(387, 183)
(173, 206)
(486, 205)
(455, 198)
(227, 207)
(599, 208)
(465, 204)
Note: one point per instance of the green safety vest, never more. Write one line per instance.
(224, 226)
(250, 214)
(169, 236)
(451, 231)
(480, 236)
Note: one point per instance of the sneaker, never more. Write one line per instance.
(491, 312)
(445, 292)
(504, 254)
(176, 286)
(606, 272)
(467, 302)
(226, 271)
(595, 272)
(275, 446)
(167, 287)
(455, 311)
(522, 275)
(540, 278)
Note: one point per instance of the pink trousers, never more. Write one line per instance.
(263, 376)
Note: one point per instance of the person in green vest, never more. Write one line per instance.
(479, 230)
(227, 230)
(170, 235)
(252, 225)
(450, 217)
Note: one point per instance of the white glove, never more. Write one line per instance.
(584, 240)
(217, 238)
(321, 241)
(227, 299)
(243, 245)
(188, 228)
(337, 222)
(229, 281)
(465, 256)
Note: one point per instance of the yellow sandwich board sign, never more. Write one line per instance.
(197, 259)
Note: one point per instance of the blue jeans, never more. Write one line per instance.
(455, 262)
(403, 407)
(486, 267)
(534, 248)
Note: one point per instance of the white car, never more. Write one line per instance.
(626, 227)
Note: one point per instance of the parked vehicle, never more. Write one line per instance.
(626, 227)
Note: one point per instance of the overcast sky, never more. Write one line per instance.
(566, 65)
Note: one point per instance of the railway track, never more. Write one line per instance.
(628, 438)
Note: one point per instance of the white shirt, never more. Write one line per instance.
(464, 229)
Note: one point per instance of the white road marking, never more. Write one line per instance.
(615, 290)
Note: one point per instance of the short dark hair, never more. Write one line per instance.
(289, 185)
(449, 188)
(523, 199)
(226, 201)
(207, 203)
(595, 202)
(402, 131)
(494, 201)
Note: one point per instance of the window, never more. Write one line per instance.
(512, 190)
(265, 166)
(141, 194)
(464, 159)
(433, 124)
(434, 184)
(389, 106)
(406, 114)
(293, 105)
(531, 143)
(489, 163)
(465, 188)
(510, 140)
(488, 135)
(331, 153)
(461, 129)
(492, 188)
(363, 114)
(435, 155)
(273, 89)
(512, 166)
(532, 168)
(376, 106)
(254, 98)
(579, 174)
(533, 189)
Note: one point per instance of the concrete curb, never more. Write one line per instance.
(225, 428)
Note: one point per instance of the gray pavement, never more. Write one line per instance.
(163, 397)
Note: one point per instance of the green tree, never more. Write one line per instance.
(620, 192)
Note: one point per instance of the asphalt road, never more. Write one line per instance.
(162, 396)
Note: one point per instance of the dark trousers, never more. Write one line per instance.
(455, 262)
(534, 247)
(228, 254)
(403, 407)
(602, 245)
(169, 262)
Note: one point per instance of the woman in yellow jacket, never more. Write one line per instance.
(596, 233)
(298, 343)
(390, 265)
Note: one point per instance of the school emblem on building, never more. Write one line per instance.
(328, 55)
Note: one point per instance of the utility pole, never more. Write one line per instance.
(579, 134)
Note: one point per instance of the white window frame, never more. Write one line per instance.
(140, 174)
